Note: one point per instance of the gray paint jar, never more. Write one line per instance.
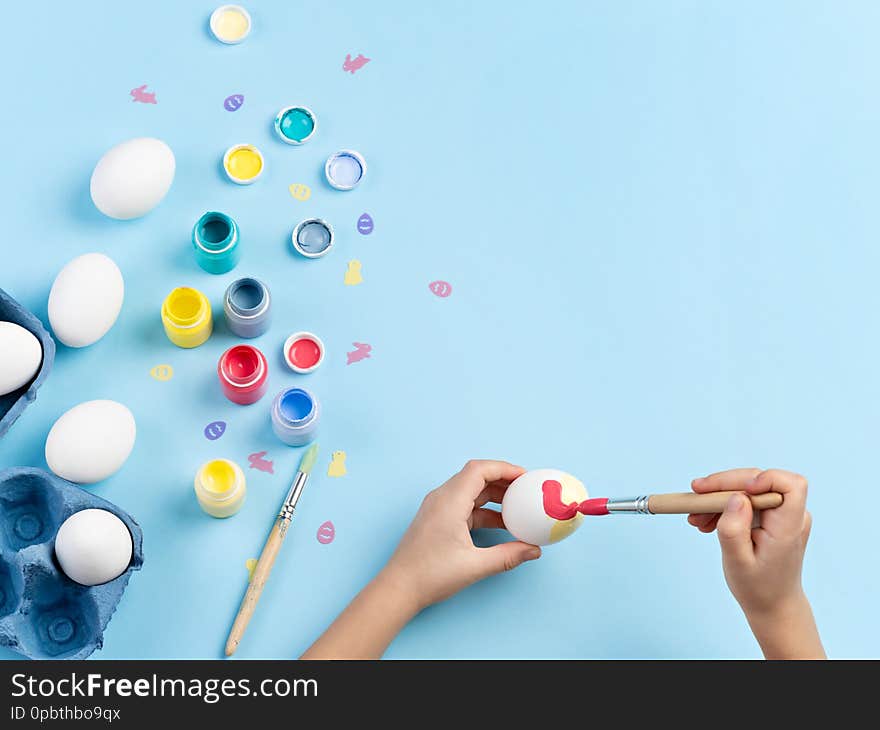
(247, 305)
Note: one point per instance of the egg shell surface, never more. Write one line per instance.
(91, 441)
(85, 299)
(20, 356)
(132, 178)
(522, 508)
(93, 546)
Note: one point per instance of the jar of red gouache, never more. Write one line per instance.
(243, 373)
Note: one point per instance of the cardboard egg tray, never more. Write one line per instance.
(12, 404)
(43, 613)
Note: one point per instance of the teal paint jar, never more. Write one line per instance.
(215, 241)
(295, 124)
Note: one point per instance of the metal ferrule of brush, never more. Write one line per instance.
(287, 509)
(634, 505)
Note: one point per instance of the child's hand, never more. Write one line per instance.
(437, 557)
(763, 565)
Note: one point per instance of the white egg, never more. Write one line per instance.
(20, 356)
(132, 178)
(85, 299)
(91, 441)
(522, 508)
(93, 546)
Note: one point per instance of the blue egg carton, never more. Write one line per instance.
(12, 404)
(43, 613)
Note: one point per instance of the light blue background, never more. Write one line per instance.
(660, 223)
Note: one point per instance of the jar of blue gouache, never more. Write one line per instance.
(246, 306)
(215, 240)
(295, 414)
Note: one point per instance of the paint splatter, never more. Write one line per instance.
(326, 533)
(353, 273)
(142, 95)
(361, 352)
(300, 191)
(251, 565)
(233, 103)
(215, 430)
(260, 463)
(354, 64)
(337, 465)
(365, 224)
(162, 372)
(441, 288)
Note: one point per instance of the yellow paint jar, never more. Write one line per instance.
(220, 487)
(186, 315)
(243, 164)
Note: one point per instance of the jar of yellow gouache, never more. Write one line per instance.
(220, 487)
(186, 314)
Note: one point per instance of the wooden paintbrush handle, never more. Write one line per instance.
(255, 587)
(703, 504)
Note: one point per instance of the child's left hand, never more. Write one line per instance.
(436, 556)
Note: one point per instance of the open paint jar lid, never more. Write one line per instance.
(243, 164)
(345, 169)
(312, 237)
(303, 352)
(295, 124)
(230, 23)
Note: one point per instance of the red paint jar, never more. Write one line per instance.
(243, 374)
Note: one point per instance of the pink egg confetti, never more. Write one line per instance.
(326, 533)
(441, 288)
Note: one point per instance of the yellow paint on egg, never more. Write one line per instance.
(243, 163)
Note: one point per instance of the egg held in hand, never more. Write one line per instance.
(528, 507)
(93, 546)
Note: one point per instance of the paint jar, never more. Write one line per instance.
(295, 124)
(215, 241)
(345, 169)
(186, 315)
(295, 413)
(312, 238)
(230, 24)
(243, 164)
(303, 352)
(246, 306)
(220, 487)
(243, 374)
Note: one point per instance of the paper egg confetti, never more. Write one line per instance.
(524, 511)
(93, 546)
(365, 224)
(162, 372)
(132, 178)
(215, 430)
(233, 103)
(326, 533)
(299, 191)
(441, 288)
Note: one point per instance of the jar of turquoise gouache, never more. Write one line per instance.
(215, 241)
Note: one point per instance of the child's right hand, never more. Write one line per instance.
(762, 565)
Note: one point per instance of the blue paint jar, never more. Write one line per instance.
(215, 240)
(295, 413)
(246, 305)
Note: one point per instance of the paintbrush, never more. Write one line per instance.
(675, 504)
(270, 550)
